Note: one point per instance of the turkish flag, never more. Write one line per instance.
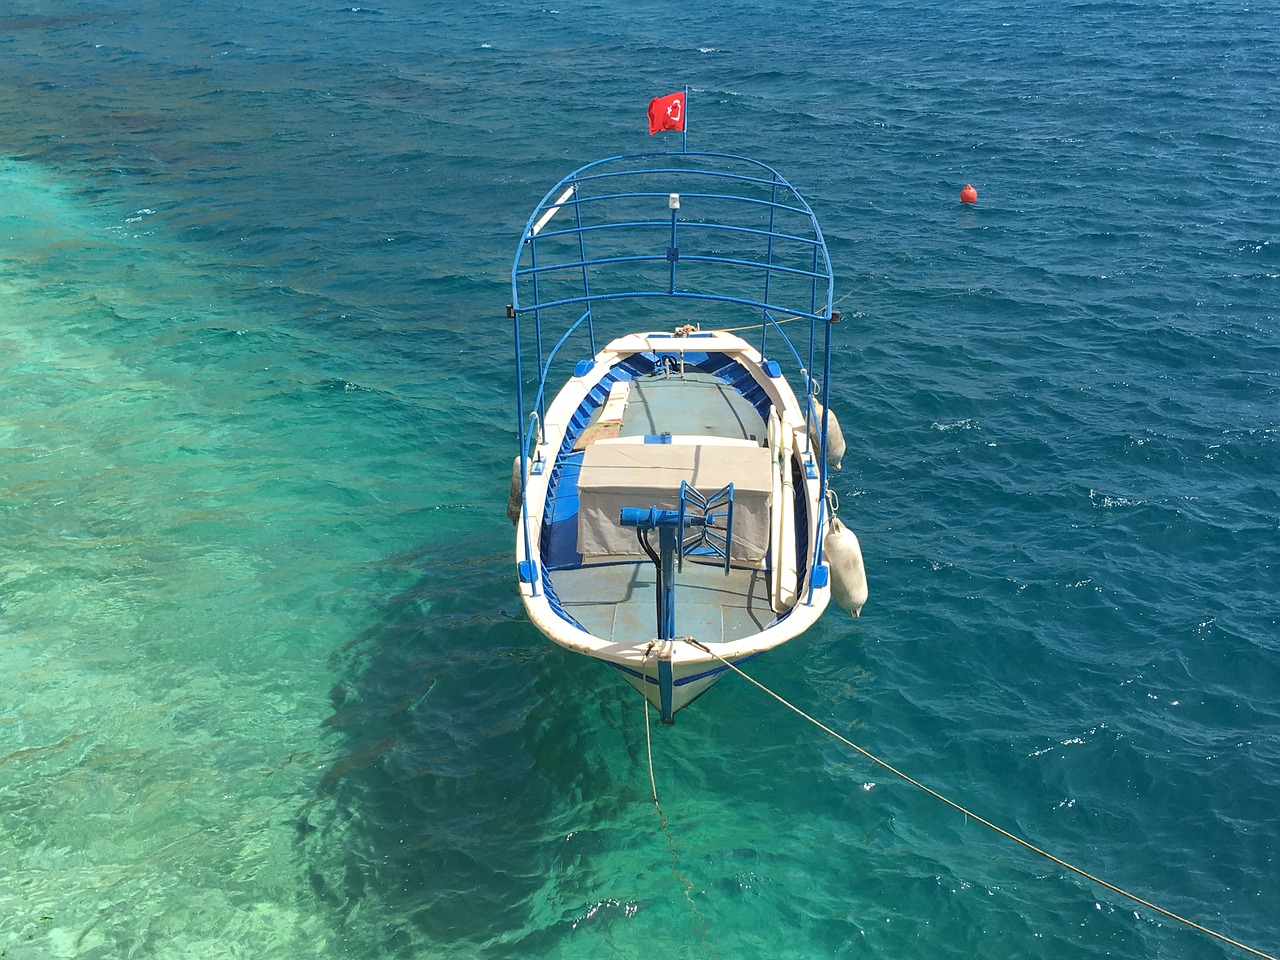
(666, 113)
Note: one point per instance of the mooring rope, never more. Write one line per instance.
(685, 881)
(778, 323)
(648, 740)
(986, 823)
(903, 258)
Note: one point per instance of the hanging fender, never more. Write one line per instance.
(513, 496)
(848, 574)
(835, 436)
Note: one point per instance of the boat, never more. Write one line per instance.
(672, 317)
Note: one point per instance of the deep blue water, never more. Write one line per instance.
(269, 691)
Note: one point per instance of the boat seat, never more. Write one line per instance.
(617, 475)
(609, 423)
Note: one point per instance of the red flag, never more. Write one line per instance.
(666, 113)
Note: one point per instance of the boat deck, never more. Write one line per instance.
(698, 404)
(617, 601)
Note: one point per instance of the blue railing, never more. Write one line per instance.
(595, 242)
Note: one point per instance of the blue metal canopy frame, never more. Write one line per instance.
(725, 235)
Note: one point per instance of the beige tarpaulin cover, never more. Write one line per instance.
(648, 474)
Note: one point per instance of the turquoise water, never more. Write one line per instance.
(270, 692)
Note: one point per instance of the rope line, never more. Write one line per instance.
(685, 881)
(986, 823)
(870, 279)
(648, 740)
(756, 326)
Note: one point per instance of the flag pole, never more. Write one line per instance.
(684, 133)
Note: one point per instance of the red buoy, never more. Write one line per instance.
(968, 194)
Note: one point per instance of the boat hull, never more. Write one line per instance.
(601, 603)
(672, 489)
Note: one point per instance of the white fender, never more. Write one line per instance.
(784, 552)
(775, 492)
(781, 522)
(513, 496)
(835, 436)
(848, 574)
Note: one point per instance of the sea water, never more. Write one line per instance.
(267, 688)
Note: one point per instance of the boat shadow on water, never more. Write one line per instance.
(459, 764)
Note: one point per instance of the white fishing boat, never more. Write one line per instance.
(673, 323)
